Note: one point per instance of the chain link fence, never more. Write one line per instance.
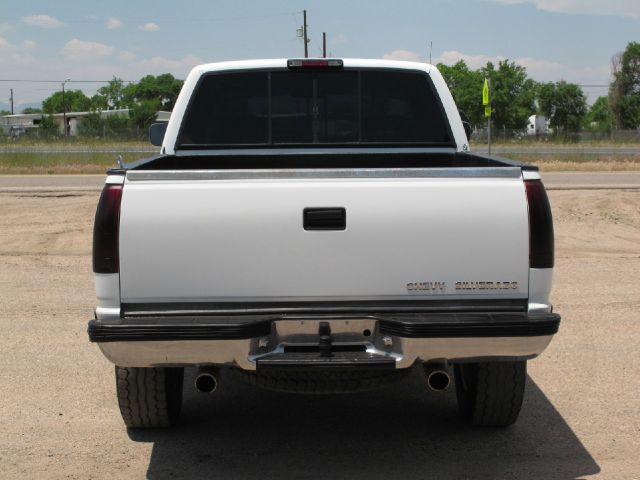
(503, 135)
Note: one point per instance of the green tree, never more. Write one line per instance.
(150, 94)
(163, 88)
(98, 102)
(112, 95)
(564, 104)
(5, 112)
(102, 125)
(48, 126)
(75, 101)
(31, 110)
(624, 91)
(599, 116)
(143, 113)
(466, 88)
(512, 94)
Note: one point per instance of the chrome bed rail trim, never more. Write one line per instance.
(320, 173)
(212, 152)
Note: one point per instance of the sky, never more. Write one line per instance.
(570, 40)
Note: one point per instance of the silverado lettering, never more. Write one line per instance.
(486, 285)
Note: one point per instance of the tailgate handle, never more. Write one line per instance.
(324, 218)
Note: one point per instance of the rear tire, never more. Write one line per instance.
(149, 397)
(490, 394)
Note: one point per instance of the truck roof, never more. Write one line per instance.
(282, 63)
(192, 80)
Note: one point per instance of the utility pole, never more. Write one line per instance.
(324, 45)
(489, 118)
(304, 34)
(12, 101)
(489, 133)
(64, 110)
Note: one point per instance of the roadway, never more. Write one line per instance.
(559, 150)
(533, 149)
(93, 183)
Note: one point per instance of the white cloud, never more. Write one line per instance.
(623, 8)
(537, 68)
(404, 55)
(6, 27)
(149, 27)
(339, 39)
(473, 61)
(161, 64)
(80, 50)
(545, 70)
(56, 66)
(126, 56)
(42, 21)
(114, 23)
(15, 55)
(29, 44)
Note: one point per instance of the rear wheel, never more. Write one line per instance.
(490, 393)
(149, 397)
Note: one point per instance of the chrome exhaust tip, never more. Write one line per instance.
(206, 380)
(438, 378)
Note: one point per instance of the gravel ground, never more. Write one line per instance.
(59, 417)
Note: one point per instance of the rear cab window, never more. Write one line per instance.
(350, 107)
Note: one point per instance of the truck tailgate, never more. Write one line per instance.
(243, 240)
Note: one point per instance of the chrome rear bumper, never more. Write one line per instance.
(246, 340)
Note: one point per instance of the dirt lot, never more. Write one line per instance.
(59, 417)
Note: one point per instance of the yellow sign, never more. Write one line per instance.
(487, 111)
(485, 93)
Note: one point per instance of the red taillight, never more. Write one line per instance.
(105, 230)
(315, 63)
(540, 226)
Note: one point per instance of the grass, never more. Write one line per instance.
(580, 162)
(59, 142)
(57, 163)
(97, 162)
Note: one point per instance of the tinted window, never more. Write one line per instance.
(229, 108)
(315, 107)
(400, 107)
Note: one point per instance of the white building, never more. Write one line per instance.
(538, 125)
(22, 123)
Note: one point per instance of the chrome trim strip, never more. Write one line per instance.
(531, 175)
(114, 180)
(320, 173)
(212, 152)
(509, 303)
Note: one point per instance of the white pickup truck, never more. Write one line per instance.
(320, 226)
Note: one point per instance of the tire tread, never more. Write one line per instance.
(491, 393)
(149, 397)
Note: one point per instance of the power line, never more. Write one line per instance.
(59, 81)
